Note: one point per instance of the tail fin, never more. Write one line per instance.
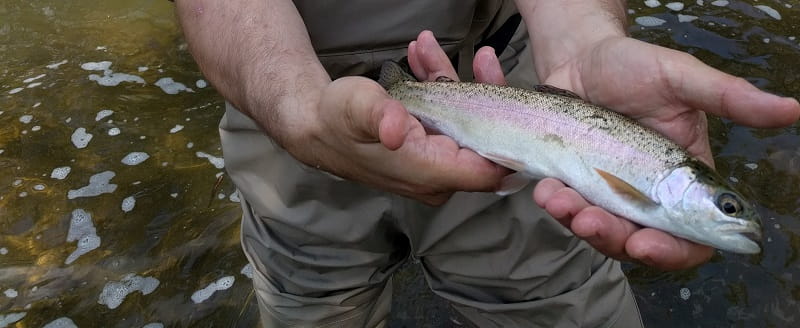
(392, 73)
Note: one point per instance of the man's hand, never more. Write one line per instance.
(666, 90)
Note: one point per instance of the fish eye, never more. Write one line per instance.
(729, 204)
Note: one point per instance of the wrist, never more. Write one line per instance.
(563, 30)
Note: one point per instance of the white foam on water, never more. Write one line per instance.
(142, 69)
(218, 162)
(103, 48)
(652, 3)
(56, 65)
(751, 166)
(60, 173)
(169, 86)
(177, 128)
(62, 322)
(25, 119)
(98, 184)
(720, 3)
(221, 196)
(10, 293)
(38, 187)
(31, 79)
(685, 293)
(36, 128)
(15, 90)
(766, 40)
(234, 197)
(190, 145)
(114, 79)
(16, 182)
(205, 293)
(733, 179)
(769, 11)
(69, 119)
(3, 251)
(173, 195)
(676, 6)
(154, 325)
(247, 270)
(34, 84)
(135, 158)
(23, 194)
(649, 21)
(8, 319)
(200, 84)
(791, 38)
(81, 229)
(37, 104)
(128, 203)
(96, 66)
(113, 131)
(80, 138)
(2, 151)
(103, 114)
(114, 292)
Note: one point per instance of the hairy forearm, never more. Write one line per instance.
(258, 55)
(561, 29)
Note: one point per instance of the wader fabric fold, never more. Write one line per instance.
(324, 250)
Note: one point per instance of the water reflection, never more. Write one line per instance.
(167, 233)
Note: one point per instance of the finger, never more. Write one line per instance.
(703, 87)
(394, 125)
(604, 231)
(415, 63)
(563, 203)
(661, 250)
(487, 67)
(432, 58)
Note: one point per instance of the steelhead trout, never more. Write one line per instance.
(611, 160)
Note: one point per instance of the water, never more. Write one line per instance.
(162, 244)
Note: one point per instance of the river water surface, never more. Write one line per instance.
(115, 211)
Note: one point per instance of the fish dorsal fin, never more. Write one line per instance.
(392, 73)
(623, 188)
(546, 88)
(444, 79)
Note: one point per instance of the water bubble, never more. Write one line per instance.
(720, 3)
(769, 11)
(190, 145)
(34, 84)
(80, 138)
(3, 251)
(234, 197)
(114, 292)
(113, 131)
(685, 293)
(135, 158)
(218, 162)
(652, 3)
(98, 184)
(15, 90)
(205, 293)
(16, 183)
(38, 187)
(60, 173)
(56, 65)
(675, 6)
(142, 69)
(103, 114)
(247, 271)
(8, 319)
(128, 203)
(649, 21)
(201, 84)
(177, 128)
(36, 128)
(62, 322)
(25, 119)
(169, 86)
(154, 325)
(23, 194)
(751, 166)
(10, 293)
(29, 80)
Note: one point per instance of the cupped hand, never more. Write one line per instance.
(362, 134)
(669, 91)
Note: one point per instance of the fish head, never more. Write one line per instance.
(717, 213)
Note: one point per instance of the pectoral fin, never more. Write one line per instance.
(623, 188)
(504, 161)
(512, 183)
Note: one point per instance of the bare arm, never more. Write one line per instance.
(259, 57)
